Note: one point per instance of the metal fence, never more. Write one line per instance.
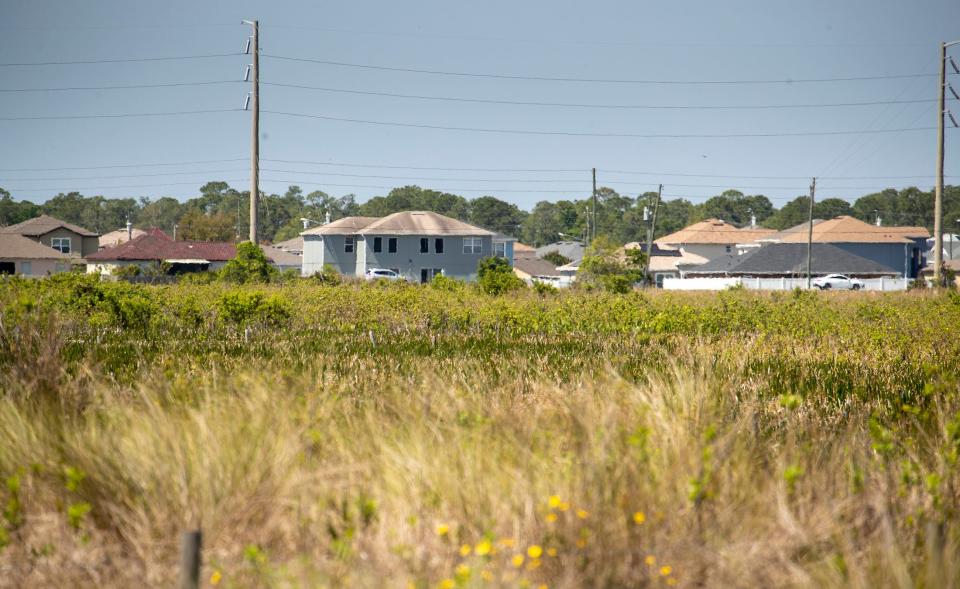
(757, 283)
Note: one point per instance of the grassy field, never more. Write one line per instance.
(406, 436)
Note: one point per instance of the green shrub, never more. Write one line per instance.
(544, 288)
(328, 276)
(126, 271)
(446, 284)
(556, 258)
(250, 265)
(242, 307)
(495, 276)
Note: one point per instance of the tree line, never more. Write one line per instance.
(221, 213)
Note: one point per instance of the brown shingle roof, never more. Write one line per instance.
(535, 267)
(44, 224)
(344, 226)
(846, 229)
(714, 232)
(18, 247)
(422, 223)
(155, 246)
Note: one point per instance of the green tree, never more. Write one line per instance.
(250, 265)
(162, 213)
(603, 267)
(496, 215)
(12, 212)
(197, 226)
(495, 276)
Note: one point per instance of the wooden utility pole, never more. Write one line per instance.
(813, 190)
(594, 214)
(653, 228)
(938, 197)
(255, 131)
(191, 544)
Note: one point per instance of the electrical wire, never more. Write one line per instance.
(118, 60)
(122, 166)
(119, 116)
(597, 106)
(123, 176)
(594, 80)
(586, 134)
(125, 87)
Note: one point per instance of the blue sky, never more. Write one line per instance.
(601, 40)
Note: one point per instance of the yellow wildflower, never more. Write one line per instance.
(551, 551)
(551, 517)
(483, 548)
(639, 517)
(671, 581)
(517, 560)
(534, 551)
(542, 586)
(563, 506)
(216, 577)
(507, 542)
(583, 513)
(486, 575)
(650, 560)
(443, 529)
(666, 570)
(554, 501)
(582, 543)
(447, 584)
(534, 564)
(465, 550)
(462, 571)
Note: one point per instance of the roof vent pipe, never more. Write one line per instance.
(129, 230)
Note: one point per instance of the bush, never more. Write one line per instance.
(495, 276)
(328, 276)
(126, 271)
(250, 265)
(446, 284)
(242, 307)
(544, 288)
(556, 258)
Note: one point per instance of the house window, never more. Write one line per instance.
(348, 244)
(392, 245)
(472, 245)
(500, 249)
(61, 244)
(26, 268)
(424, 245)
(438, 245)
(729, 249)
(377, 245)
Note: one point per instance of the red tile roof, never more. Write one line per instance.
(156, 245)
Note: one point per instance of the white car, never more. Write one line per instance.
(838, 282)
(382, 273)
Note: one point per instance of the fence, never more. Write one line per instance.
(756, 283)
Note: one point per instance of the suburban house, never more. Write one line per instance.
(293, 245)
(119, 236)
(572, 250)
(712, 238)
(503, 247)
(416, 244)
(665, 261)
(902, 249)
(154, 248)
(789, 260)
(532, 269)
(283, 259)
(66, 238)
(22, 255)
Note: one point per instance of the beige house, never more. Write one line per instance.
(21, 255)
(66, 238)
(712, 238)
(119, 236)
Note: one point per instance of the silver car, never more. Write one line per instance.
(382, 273)
(837, 282)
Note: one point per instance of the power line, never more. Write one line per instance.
(593, 80)
(120, 116)
(387, 166)
(586, 134)
(121, 166)
(118, 60)
(124, 87)
(79, 188)
(123, 176)
(597, 106)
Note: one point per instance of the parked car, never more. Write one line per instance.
(838, 282)
(384, 273)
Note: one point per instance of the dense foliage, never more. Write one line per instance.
(344, 435)
(221, 212)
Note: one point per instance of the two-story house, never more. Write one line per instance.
(416, 244)
(66, 238)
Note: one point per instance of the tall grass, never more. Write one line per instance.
(397, 437)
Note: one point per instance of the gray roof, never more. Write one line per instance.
(535, 267)
(788, 259)
(294, 245)
(281, 257)
(344, 226)
(45, 224)
(572, 250)
(18, 247)
(422, 223)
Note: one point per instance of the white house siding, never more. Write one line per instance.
(313, 250)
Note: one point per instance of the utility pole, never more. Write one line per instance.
(938, 198)
(813, 190)
(255, 131)
(653, 228)
(594, 215)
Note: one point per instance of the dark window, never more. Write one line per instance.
(377, 244)
(424, 245)
(392, 245)
(348, 244)
(8, 268)
(438, 245)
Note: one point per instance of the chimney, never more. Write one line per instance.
(129, 230)
(879, 221)
(753, 221)
(327, 218)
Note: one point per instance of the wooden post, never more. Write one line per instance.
(191, 544)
